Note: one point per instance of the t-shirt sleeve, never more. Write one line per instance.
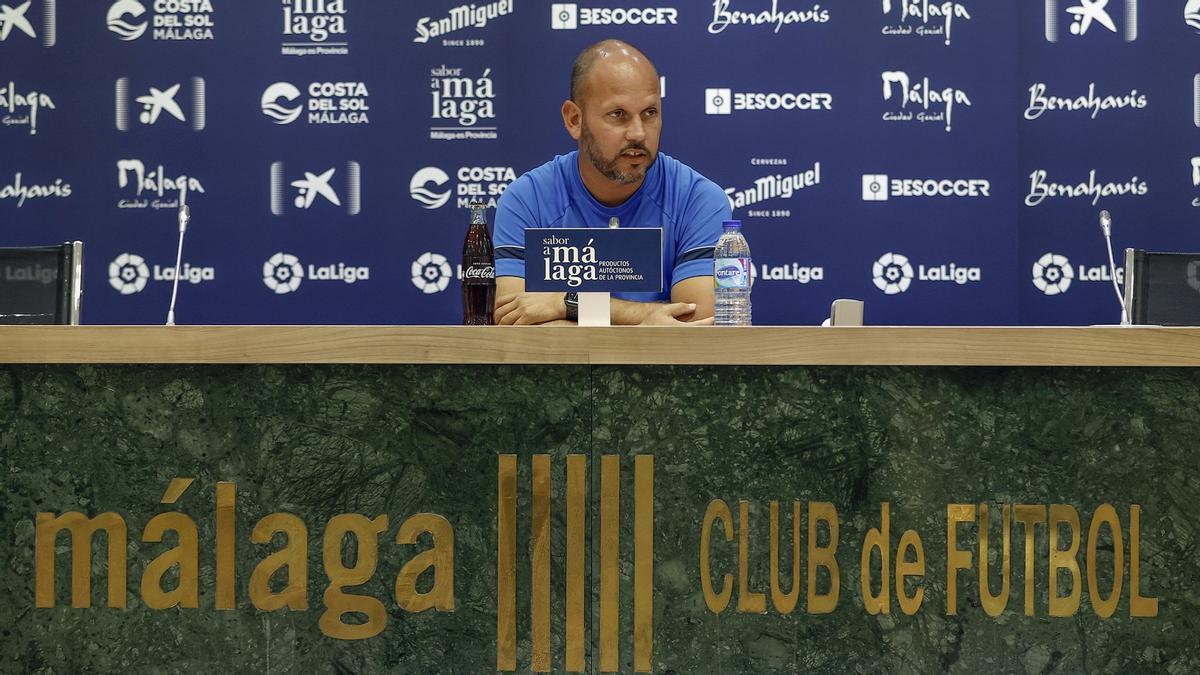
(699, 231)
(513, 215)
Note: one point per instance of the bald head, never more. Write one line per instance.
(600, 56)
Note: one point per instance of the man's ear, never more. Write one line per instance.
(572, 118)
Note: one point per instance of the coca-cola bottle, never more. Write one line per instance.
(479, 271)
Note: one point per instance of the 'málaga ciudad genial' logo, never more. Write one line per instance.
(129, 273)
(327, 103)
(171, 20)
(459, 18)
(283, 273)
(924, 13)
(308, 26)
(893, 273)
(15, 21)
(21, 109)
(430, 186)
(153, 188)
(929, 104)
(162, 104)
(1040, 102)
(724, 17)
(1041, 189)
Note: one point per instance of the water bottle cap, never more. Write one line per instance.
(731, 223)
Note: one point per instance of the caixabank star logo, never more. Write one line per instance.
(17, 23)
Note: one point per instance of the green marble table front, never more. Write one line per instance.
(425, 445)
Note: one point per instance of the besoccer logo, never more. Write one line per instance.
(1089, 14)
(117, 23)
(564, 16)
(892, 273)
(128, 274)
(272, 107)
(431, 273)
(875, 187)
(418, 187)
(283, 273)
(1052, 274)
(718, 101)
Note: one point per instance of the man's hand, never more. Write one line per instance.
(674, 314)
(522, 309)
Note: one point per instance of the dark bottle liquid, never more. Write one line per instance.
(479, 271)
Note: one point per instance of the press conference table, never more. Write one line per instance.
(757, 346)
(514, 438)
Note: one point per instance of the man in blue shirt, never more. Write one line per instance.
(615, 115)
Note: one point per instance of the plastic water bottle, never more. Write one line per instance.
(731, 273)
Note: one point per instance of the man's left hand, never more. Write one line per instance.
(524, 309)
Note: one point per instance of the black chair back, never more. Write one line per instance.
(41, 284)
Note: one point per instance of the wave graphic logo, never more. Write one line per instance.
(429, 199)
(278, 112)
(126, 30)
(1191, 14)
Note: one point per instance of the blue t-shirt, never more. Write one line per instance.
(673, 196)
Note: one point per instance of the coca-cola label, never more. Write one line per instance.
(479, 272)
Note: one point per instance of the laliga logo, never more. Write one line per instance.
(1090, 13)
(272, 108)
(128, 274)
(126, 30)
(427, 197)
(1052, 274)
(892, 273)
(431, 273)
(283, 273)
(15, 17)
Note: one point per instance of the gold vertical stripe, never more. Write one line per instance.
(226, 543)
(643, 563)
(506, 563)
(539, 605)
(610, 549)
(576, 508)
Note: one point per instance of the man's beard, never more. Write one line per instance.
(608, 167)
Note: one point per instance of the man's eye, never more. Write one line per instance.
(651, 113)
(617, 114)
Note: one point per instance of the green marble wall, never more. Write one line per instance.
(317, 441)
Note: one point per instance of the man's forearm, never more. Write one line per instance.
(629, 312)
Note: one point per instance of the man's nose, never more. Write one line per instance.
(636, 130)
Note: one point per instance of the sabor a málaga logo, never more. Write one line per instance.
(308, 26)
(431, 272)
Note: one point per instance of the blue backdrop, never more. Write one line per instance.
(943, 161)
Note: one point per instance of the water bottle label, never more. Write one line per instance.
(731, 272)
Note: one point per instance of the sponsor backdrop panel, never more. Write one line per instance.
(943, 161)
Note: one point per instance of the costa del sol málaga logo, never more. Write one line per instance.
(431, 272)
(283, 273)
(1052, 274)
(892, 273)
(272, 108)
(128, 274)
